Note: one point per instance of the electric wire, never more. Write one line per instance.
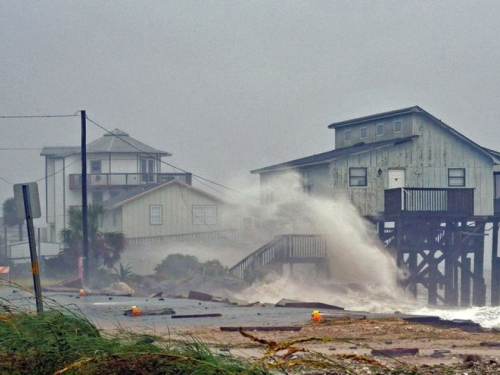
(37, 116)
(171, 165)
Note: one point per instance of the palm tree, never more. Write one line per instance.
(105, 248)
(10, 217)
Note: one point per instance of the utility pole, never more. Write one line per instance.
(85, 233)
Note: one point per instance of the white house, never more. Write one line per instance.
(159, 219)
(116, 163)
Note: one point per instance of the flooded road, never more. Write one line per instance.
(107, 312)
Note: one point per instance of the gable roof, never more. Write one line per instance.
(115, 141)
(416, 109)
(141, 191)
(330, 155)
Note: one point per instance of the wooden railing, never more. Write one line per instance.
(430, 200)
(126, 179)
(288, 248)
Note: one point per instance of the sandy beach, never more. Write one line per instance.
(351, 341)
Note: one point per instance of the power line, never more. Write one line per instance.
(37, 116)
(19, 148)
(171, 165)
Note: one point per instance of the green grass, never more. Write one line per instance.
(60, 341)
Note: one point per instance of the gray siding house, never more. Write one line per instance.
(405, 148)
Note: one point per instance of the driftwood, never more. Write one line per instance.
(167, 311)
(396, 352)
(279, 328)
(177, 316)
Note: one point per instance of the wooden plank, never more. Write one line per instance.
(259, 328)
(178, 316)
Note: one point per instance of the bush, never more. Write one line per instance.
(180, 266)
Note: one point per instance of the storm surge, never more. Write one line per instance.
(361, 275)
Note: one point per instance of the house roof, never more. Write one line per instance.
(115, 141)
(416, 109)
(330, 155)
(136, 193)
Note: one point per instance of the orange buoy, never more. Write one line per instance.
(81, 292)
(136, 311)
(316, 316)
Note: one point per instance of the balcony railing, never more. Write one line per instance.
(455, 202)
(126, 179)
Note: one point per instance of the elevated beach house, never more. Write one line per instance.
(116, 163)
(430, 190)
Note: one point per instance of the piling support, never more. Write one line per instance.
(495, 267)
(465, 282)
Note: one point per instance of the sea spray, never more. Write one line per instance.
(355, 255)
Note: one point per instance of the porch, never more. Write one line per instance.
(430, 201)
(126, 179)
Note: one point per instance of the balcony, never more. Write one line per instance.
(126, 179)
(430, 202)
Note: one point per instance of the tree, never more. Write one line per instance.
(10, 217)
(105, 248)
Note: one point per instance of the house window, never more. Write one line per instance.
(380, 129)
(114, 193)
(97, 197)
(347, 136)
(456, 177)
(357, 177)
(155, 215)
(115, 218)
(397, 127)
(95, 166)
(362, 133)
(307, 182)
(205, 215)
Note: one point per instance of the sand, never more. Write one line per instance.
(441, 350)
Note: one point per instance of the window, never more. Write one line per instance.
(397, 127)
(155, 215)
(114, 193)
(380, 129)
(147, 169)
(95, 166)
(307, 182)
(97, 197)
(347, 135)
(357, 177)
(362, 133)
(205, 215)
(456, 177)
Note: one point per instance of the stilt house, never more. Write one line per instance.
(437, 188)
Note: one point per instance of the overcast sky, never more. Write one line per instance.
(231, 86)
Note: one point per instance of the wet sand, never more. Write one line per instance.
(441, 350)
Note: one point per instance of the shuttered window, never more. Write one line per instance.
(456, 177)
(358, 177)
(155, 215)
(205, 215)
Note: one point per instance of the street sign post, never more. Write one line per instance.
(29, 192)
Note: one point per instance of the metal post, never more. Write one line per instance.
(495, 271)
(39, 243)
(85, 234)
(31, 238)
